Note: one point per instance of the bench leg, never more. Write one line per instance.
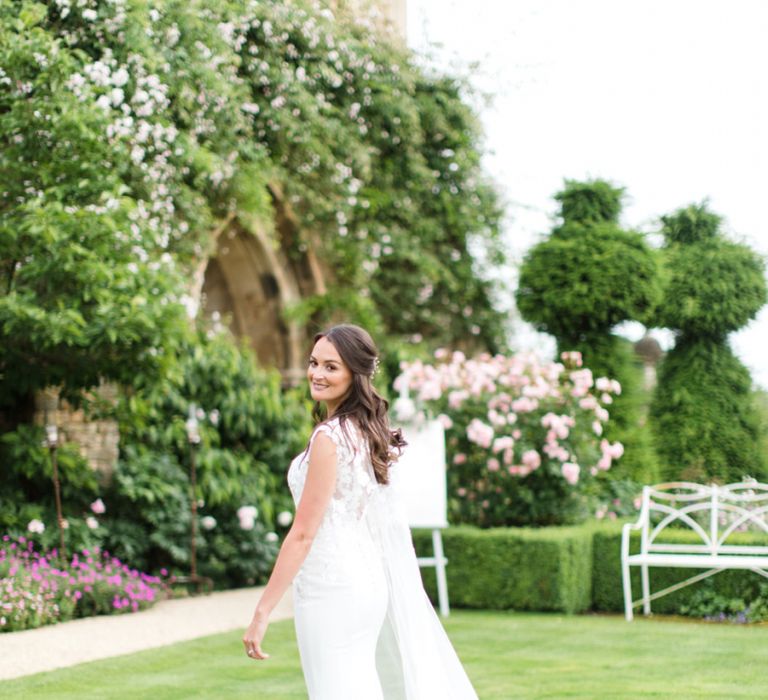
(627, 585)
(646, 590)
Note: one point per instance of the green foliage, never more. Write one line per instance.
(706, 602)
(606, 574)
(522, 437)
(127, 130)
(524, 569)
(26, 487)
(587, 277)
(713, 287)
(692, 224)
(249, 432)
(584, 280)
(590, 202)
(702, 415)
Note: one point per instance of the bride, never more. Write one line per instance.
(365, 627)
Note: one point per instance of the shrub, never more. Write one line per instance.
(522, 436)
(702, 413)
(249, 431)
(607, 589)
(523, 569)
(26, 488)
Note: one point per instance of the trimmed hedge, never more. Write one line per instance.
(607, 592)
(520, 568)
(562, 569)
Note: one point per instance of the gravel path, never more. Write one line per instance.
(92, 638)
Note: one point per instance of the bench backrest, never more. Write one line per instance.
(713, 512)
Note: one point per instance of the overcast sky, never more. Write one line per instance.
(668, 98)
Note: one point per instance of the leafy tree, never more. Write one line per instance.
(702, 413)
(80, 297)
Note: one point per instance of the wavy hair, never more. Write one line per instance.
(362, 403)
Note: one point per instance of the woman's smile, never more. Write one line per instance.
(329, 377)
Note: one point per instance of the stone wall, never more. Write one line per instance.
(97, 440)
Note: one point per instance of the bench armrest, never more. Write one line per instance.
(625, 531)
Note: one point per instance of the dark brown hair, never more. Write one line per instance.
(363, 404)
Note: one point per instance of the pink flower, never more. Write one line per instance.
(456, 398)
(480, 433)
(604, 462)
(493, 464)
(597, 427)
(446, 421)
(459, 458)
(572, 357)
(502, 443)
(570, 472)
(98, 506)
(603, 384)
(531, 459)
(524, 404)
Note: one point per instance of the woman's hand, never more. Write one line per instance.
(253, 636)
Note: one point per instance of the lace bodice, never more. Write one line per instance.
(342, 549)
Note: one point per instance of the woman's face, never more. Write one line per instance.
(329, 378)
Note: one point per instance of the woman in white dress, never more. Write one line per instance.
(364, 625)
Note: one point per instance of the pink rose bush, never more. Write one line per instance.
(524, 437)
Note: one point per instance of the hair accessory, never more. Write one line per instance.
(376, 363)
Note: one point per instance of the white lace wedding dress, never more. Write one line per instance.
(365, 627)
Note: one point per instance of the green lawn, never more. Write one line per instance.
(507, 655)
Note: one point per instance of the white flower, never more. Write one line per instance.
(208, 522)
(271, 537)
(247, 517)
(75, 82)
(285, 518)
(98, 506)
(250, 107)
(90, 15)
(247, 512)
(117, 96)
(36, 526)
(104, 102)
(91, 522)
(137, 154)
(120, 77)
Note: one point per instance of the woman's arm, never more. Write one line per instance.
(318, 489)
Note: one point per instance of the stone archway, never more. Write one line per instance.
(249, 281)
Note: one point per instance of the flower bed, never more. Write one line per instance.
(36, 589)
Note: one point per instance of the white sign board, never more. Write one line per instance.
(419, 475)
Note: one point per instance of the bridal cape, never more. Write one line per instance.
(414, 657)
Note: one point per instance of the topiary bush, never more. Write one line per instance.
(702, 414)
(588, 276)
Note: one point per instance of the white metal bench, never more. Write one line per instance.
(714, 513)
